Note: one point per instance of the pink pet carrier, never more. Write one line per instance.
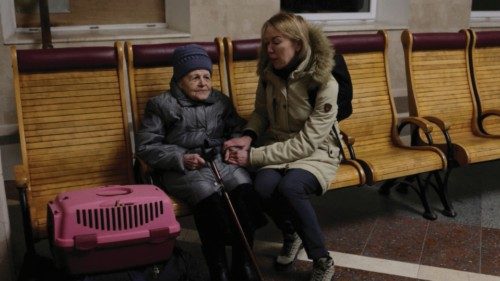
(112, 227)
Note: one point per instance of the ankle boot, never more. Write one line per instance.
(241, 265)
(216, 262)
(242, 269)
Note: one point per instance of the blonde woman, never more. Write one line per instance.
(297, 153)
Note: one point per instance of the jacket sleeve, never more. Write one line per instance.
(150, 145)
(316, 129)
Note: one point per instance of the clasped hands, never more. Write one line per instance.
(236, 151)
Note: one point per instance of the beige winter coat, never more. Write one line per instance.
(292, 133)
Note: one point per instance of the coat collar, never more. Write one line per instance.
(318, 62)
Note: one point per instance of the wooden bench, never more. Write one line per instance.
(375, 127)
(73, 126)
(241, 59)
(440, 90)
(150, 71)
(485, 70)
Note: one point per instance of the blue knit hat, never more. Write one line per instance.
(188, 58)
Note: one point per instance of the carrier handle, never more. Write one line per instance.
(114, 191)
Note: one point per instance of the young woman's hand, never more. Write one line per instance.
(241, 143)
(237, 156)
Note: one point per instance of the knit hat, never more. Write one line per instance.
(188, 58)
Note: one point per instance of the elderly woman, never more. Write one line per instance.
(297, 152)
(174, 129)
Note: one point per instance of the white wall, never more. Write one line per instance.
(5, 254)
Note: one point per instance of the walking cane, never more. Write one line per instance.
(209, 154)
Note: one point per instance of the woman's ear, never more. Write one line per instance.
(297, 46)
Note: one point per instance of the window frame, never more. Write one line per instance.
(342, 17)
(485, 14)
(84, 27)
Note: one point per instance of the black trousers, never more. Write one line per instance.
(285, 197)
(216, 227)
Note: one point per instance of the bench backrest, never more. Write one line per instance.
(150, 70)
(241, 59)
(485, 70)
(372, 123)
(73, 125)
(439, 84)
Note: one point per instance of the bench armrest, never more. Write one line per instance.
(143, 172)
(21, 176)
(349, 141)
(488, 114)
(440, 123)
(444, 129)
(418, 121)
(420, 124)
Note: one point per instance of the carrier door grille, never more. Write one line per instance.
(122, 217)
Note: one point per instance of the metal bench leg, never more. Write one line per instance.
(442, 191)
(385, 188)
(422, 193)
(428, 213)
(31, 259)
(420, 188)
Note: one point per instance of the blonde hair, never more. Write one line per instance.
(293, 26)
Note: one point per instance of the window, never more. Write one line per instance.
(332, 10)
(482, 9)
(90, 14)
(95, 20)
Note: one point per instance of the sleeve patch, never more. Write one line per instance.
(328, 107)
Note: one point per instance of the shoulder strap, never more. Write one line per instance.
(312, 93)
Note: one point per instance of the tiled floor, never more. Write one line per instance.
(373, 237)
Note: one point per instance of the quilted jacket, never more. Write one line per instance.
(174, 125)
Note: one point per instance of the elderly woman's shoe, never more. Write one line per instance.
(244, 272)
(219, 272)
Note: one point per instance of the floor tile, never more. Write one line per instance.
(300, 271)
(346, 229)
(468, 187)
(397, 238)
(348, 237)
(490, 251)
(490, 207)
(453, 246)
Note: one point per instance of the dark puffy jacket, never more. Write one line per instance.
(174, 125)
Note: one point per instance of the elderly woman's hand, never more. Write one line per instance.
(237, 156)
(193, 161)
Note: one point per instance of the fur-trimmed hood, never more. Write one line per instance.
(320, 59)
